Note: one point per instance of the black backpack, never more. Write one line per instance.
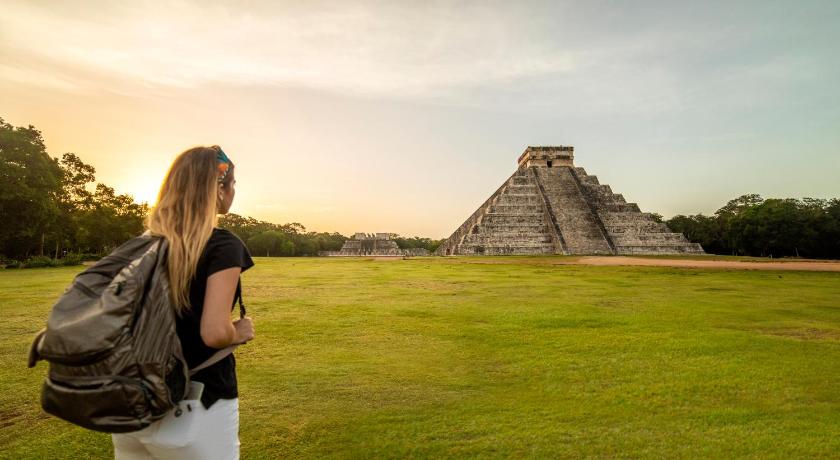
(116, 363)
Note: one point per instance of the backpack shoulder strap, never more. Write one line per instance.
(35, 350)
(217, 356)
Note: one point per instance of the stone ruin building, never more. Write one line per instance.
(374, 244)
(549, 206)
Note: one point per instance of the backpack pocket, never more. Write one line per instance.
(85, 324)
(110, 404)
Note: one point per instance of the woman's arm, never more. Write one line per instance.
(217, 330)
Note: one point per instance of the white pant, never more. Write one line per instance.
(217, 437)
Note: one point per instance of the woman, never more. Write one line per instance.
(204, 264)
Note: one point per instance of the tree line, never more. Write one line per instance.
(753, 226)
(269, 240)
(417, 242)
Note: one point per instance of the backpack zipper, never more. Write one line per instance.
(85, 289)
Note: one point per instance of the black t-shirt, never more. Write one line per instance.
(224, 250)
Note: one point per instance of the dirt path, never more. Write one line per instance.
(817, 266)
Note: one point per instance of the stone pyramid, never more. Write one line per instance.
(549, 206)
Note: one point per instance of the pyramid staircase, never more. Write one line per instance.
(512, 221)
(549, 206)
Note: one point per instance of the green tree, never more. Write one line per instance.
(74, 200)
(109, 221)
(268, 243)
(30, 182)
(729, 212)
(830, 238)
(701, 229)
(738, 205)
(287, 249)
(417, 242)
(770, 229)
(244, 227)
(329, 241)
(265, 238)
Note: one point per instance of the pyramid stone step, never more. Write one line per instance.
(683, 248)
(638, 227)
(529, 214)
(516, 209)
(653, 239)
(506, 239)
(528, 189)
(521, 180)
(509, 199)
(509, 219)
(502, 250)
(618, 218)
(619, 207)
(609, 198)
(586, 178)
(518, 228)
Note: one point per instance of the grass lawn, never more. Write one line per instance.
(446, 357)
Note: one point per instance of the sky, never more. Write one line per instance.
(405, 116)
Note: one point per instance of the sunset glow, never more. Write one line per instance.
(403, 116)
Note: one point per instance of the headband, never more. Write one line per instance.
(223, 164)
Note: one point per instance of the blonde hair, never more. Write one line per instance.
(185, 214)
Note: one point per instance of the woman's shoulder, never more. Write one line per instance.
(227, 248)
(223, 238)
(223, 233)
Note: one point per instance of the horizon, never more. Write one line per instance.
(403, 118)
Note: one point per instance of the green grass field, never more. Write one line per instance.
(436, 357)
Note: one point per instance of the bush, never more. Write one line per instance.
(38, 262)
(71, 259)
(13, 264)
(41, 262)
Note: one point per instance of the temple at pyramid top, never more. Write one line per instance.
(548, 156)
(550, 206)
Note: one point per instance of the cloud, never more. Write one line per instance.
(590, 59)
(369, 48)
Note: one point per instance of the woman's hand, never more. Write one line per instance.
(244, 330)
